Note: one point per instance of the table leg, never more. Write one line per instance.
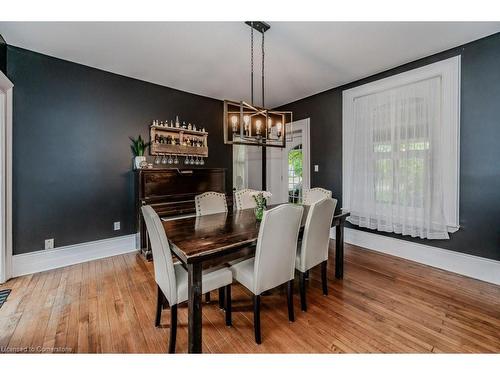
(339, 251)
(194, 308)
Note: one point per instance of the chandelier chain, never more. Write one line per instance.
(251, 64)
(263, 105)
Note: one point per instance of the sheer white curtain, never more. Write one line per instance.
(396, 166)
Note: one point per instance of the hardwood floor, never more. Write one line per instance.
(384, 304)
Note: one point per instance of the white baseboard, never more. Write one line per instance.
(44, 260)
(464, 264)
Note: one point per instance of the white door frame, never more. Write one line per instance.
(306, 159)
(6, 88)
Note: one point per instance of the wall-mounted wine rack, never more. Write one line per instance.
(178, 141)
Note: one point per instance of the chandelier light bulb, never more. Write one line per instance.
(246, 120)
(234, 121)
(258, 124)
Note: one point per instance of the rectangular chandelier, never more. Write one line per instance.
(245, 124)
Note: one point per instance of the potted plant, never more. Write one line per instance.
(261, 202)
(138, 147)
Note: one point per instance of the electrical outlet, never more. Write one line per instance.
(49, 244)
(116, 225)
(316, 168)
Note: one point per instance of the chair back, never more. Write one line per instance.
(316, 238)
(209, 203)
(162, 257)
(244, 200)
(276, 247)
(315, 195)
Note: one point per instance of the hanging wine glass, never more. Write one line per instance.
(202, 162)
(196, 162)
(192, 160)
(157, 159)
(186, 160)
(164, 159)
(170, 159)
(176, 161)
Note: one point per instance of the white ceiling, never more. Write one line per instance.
(212, 58)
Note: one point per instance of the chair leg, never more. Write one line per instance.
(159, 304)
(291, 315)
(207, 297)
(221, 297)
(306, 275)
(302, 286)
(165, 304)
(256, 318)
(324, 280)
(173, 329)
(228, 305)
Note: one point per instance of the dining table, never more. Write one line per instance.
(201, 242)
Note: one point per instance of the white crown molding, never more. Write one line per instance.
(464, 264)
(43, 260)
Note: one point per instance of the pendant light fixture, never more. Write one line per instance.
(247, 123)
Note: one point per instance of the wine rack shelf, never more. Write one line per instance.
(178, 141)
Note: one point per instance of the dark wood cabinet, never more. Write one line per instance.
(171, 193)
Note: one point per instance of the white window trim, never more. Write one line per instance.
(6, 87)
(449, 71)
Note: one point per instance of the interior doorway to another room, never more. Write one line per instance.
(287, 169)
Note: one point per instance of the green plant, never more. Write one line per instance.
(138, 146)
(295, 160)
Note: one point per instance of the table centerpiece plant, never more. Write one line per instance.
(260, 198)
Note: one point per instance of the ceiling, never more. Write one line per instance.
(213, 58)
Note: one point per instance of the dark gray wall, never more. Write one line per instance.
(479, 144)
(3, 55)
(72, 160)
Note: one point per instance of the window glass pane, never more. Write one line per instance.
(295, 159)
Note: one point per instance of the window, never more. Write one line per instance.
(295, 160)
(401, 152)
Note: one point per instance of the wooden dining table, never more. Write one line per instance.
(204, 241)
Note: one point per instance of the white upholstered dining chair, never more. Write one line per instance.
(314, 195)
(243, 199)
(315, 243)
(172, 279)
(274, 260)
(209, 203)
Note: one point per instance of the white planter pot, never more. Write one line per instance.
(138, 160)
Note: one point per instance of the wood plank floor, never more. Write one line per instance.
(384, 304)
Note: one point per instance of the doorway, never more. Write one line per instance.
(288, 169)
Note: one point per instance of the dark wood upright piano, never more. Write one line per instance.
(171, 193)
